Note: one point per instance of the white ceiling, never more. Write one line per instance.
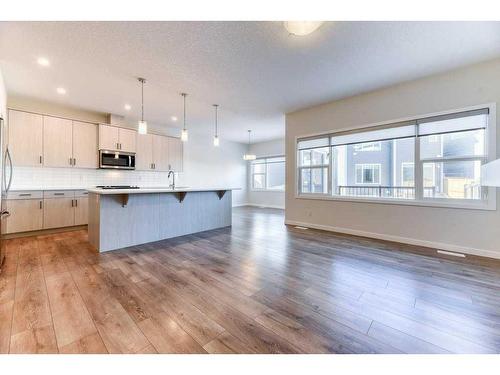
(255, 71)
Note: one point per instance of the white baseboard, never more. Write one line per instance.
(265, 206)
(406, 240)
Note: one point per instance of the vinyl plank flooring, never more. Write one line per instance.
(256, 287)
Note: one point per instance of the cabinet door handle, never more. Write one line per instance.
(70, 161)
(74, 161)
(41, 159)
(76, 202)
(72, 203)
(41, 205)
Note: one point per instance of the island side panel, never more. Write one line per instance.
(134, 224)
(94, 215)
(198, 212)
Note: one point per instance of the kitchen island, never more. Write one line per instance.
(120, 218)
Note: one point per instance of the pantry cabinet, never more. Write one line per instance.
(25, 138)
(117, 139)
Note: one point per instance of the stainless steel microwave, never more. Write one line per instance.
(116, 160)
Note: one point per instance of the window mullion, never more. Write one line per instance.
(419, 171)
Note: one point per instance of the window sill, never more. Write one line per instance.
(489, 205)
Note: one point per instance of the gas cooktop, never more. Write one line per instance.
(109, 187)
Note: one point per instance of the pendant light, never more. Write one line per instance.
(142, 125)
(216, 136)
(184, 133)
(248, 155)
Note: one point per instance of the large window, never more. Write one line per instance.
(268, 174)
(430, 159)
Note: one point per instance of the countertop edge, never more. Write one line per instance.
(159, 190)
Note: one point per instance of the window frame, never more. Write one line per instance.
(265, 173)
(487, 203)
(328, 167)
(367, 166)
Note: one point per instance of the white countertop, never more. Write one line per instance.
(147, 190)
(48, 188)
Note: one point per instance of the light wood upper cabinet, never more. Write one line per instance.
(58, 213)
(144, 155)
(81, 207)
(126, 139)
(57, 142)
(25, 215)
(175, 154)
(160, 153)
(108, 137)
(25, 138)
(116, 139)
(84, 145)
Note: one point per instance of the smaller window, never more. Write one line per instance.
(368, 174)
(268, 174)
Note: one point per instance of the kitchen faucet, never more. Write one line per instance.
(171, 172)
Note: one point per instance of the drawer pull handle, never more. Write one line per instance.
(58, 193)
(25, 195)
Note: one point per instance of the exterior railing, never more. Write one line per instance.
(401, 192)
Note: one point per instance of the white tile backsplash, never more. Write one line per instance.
(50, 178)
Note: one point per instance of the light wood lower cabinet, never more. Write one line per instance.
(57, 209)
(25, 215)
(81, 210)
(58, 213)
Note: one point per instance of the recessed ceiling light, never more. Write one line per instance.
(61, 90)
(173, 118)
(43, 61)
(127, 107)
(301, 28)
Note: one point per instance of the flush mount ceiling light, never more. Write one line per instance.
(61, 90)
(173, 118)
(127, 107)
(184, 133)
(248, 155)
(142, 125)
(43, 61)
(301, 28)
(216, 136)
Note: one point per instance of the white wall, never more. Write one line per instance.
(275, 199)
(472, 231)
(204, 165)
